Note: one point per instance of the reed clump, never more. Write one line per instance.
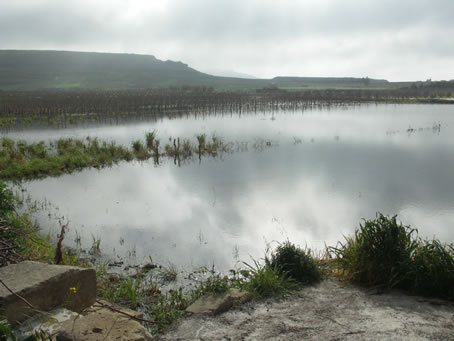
(150, 139)
(24, 160)
(433, 269)
(140, 150)
(385, 252)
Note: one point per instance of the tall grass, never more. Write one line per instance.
(385, 252)
(432, 269)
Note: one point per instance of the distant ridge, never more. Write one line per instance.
(41, 70)
(30, 70)
(328, 81)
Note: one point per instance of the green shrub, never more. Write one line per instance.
(379, 253)
(296, 263)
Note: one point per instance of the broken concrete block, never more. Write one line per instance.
(46, 287)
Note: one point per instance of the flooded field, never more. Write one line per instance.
(308, 175)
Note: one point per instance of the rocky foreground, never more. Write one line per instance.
(332, 310)
(61, 301)
(56, 302)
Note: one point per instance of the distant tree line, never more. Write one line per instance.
(200, 99)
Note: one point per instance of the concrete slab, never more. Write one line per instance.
(46, 287)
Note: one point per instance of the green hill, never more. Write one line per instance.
(38, 70)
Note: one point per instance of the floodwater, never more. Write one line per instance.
(325, 170)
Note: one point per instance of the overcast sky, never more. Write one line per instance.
(395, 40)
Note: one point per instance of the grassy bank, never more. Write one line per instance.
(21, 160)
(20, 238)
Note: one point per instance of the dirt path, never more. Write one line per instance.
(331, 310)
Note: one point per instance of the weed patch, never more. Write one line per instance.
(264, 280)
(215, 284)
(169, 273)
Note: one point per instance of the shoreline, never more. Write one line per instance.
(330, 310)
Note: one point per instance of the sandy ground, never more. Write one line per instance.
(332, 310)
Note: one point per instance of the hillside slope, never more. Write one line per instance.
(37, 70)
(58, 69)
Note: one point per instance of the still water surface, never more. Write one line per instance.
(326, 170)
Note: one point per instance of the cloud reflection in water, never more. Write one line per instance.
(311, 193)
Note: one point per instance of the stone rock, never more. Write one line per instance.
(46, 287)
(212, 303)
(240, 295)
(220, 303)
(101, 323)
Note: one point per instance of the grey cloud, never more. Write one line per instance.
(264, 37)
(251, 20)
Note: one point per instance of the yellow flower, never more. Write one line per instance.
(73, 290)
